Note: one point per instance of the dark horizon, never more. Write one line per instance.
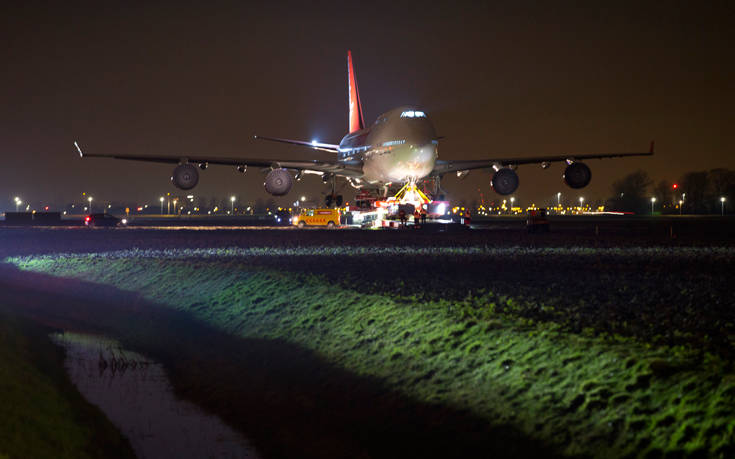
(496, 80)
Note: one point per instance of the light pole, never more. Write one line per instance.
(18, 202)
(90, 204)
(722, 205)
(653, 200)
(232, 204)
(512, 199)
(581, 202)
(680, 206)
(161, 199)
(558, 199)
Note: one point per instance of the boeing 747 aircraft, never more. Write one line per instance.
(399, 147)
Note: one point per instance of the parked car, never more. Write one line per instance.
(106, 220)
(282, 217)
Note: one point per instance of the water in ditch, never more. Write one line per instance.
(136, 395)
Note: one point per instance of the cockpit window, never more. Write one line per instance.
(413, 114)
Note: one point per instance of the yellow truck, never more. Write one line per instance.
(317, 217)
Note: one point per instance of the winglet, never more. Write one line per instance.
(81, 155)
(651, 150)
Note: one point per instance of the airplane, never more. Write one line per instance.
(400, 147)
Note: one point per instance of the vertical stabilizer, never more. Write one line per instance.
(357, 121)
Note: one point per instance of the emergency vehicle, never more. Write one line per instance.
(317, 217)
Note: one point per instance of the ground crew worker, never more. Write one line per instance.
(416, 217)
(467, 217)
(402, 217)
(423, 216)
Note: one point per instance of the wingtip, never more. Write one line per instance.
(81, 155)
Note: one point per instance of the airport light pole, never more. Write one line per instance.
(680, 206)
(558, 199)
(653, 201)
(512, 199)
(161, 199)
(722, 205)
(90, 204)
(581, 201)
(18, 202)
(232, 204)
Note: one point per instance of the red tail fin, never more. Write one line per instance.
(357, 121)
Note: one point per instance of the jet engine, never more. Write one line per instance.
(504, 181)
(577, 175)
(278, 182)
(185, 176)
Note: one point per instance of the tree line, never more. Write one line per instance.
(698, 192)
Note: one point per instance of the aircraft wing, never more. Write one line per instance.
(343, 168)
(443, 167)
(332, 148)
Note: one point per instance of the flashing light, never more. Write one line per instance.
(314, 142)
(87, 218)
(124, 221)
(674, 186)
(140, 209)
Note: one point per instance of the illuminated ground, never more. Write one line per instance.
(324, 343)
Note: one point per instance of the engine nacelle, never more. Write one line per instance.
(278, 182)
(577, 175)
(504, 181)
(185, 176)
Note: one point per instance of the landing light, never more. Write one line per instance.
(413, 114)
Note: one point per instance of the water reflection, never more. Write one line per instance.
(135, 394)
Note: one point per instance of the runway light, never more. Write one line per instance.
(314, 142)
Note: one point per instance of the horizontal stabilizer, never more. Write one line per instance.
(313, 144)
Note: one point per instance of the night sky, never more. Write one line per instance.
(505, 78)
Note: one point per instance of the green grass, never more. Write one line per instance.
(584, 393)
(41, 413)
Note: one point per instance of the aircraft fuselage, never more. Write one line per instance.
(400, 146)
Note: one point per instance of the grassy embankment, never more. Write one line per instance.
(587, 393)
(41, 413)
